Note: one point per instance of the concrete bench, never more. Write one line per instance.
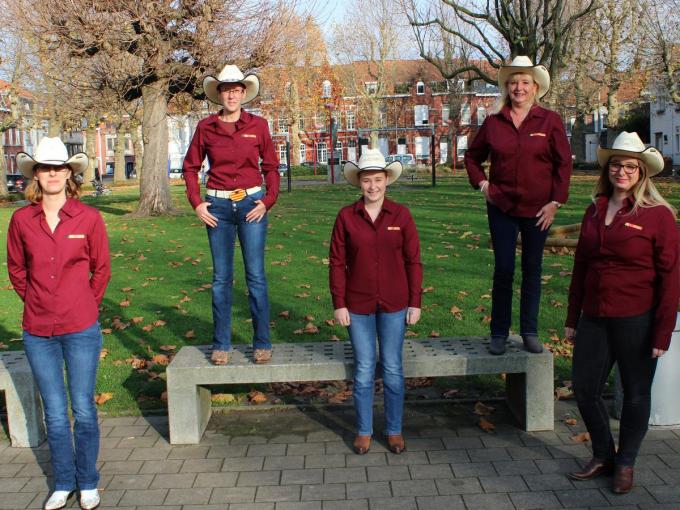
(529, 379)
(24, 408)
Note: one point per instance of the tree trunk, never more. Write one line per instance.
(578, 139)
(119, 156)
(138, 147)
(375, 121)
(3, 168)
(154, 190)
(90, 148)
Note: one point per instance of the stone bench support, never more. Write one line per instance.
(529, 377)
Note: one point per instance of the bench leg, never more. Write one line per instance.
(531, 398)
(24, 412)
(188, 412)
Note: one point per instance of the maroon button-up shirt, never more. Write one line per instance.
(234, 159)
(530, 166)
(375, 264)
(61, 276)
(628, 267)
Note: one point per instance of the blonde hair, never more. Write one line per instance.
(504, 99)
(644, 192)
(34, 193)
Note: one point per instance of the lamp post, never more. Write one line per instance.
(331, 120)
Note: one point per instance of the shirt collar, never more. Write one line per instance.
(534, 111)
(242, 120)
(602, 201)
(71, 208)
(388, 206)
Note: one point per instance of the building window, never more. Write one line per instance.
(282, 153)
(110, 144)
(326, 89)
(270, 122)
(446, 112)
(337, 120)
(322, 152)
(465, 114)
(420, 88)
(303, 153)
(460, 84)
(481, 114)
(421, 115)
(461, 146)
(371, 87)
(282, 125)
(422, 146)
(349, 116)
(301, 124)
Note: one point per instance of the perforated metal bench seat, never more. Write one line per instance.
(529, 379)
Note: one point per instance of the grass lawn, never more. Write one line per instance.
(159, 295)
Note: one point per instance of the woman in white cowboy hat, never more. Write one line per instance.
(241, 155)
(58, 263)
(375, 282)
(623, 301)
(528, 181)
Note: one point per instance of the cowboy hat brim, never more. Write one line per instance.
(351, 172)
(651, 157)
(251, 82)
(26, 163)
(539, 73)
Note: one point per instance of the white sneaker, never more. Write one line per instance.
(89, 500)
(57, 500)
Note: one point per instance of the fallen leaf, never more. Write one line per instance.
(480, 309)
(581, 438)
(164, 396)
(330, 322)
(304, 286)
(310, 328)
(103, 353)
(148, 328)
(160, 359)
(340, 397)
(455, 310)
(168, 347)
(486, 425)
(563, 393)
(411, 333)
(257, 397)
(106, 331)
(223, 398)
(285, 314)
(427, 289)
(302, 295)
(137, 363)
(137, 320)
(102, 398)
(190, 334)
(335, 338)
(124, 303)
(570, 421)
(486, 319)
(127, 289)
(159, 323)
(483, 410)
(308, 318)
(434, 334)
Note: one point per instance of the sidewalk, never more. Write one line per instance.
(302, 460)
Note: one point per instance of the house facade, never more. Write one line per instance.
(664, 127)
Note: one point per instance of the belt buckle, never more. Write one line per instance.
(237, 195)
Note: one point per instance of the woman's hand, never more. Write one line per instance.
(570, 334)
(412, 315)
(257, 213)
(204, 215)
(484, 186)
(657, 353)
(546, 216)
(341, 316)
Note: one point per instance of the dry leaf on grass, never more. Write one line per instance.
(257, 397)
(330, 322)
(159, 323)
(168, 347)
(190, 334)
(581, 438)
(127, 289)
(147, 328)
(124, 303)
(563, 393)
(308, 318)
(107, 331)
(285, 314)
(161, 359)
(310, 328)
(434, 334)
(427, 289)
(335, 338)
(103, 353)
(164, 396)
(102, 398)
(223, 398)
(137, 320)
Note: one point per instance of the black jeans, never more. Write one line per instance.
(504, 230)
(601, 341)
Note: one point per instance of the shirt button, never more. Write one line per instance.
(52, 276)
(52, 258)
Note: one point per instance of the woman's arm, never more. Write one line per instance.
(578, 276)
(100, 259)
(337, 264)
(414, 268)
(16, 259)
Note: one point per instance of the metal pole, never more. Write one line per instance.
(288, 164)
(434, 165)
(330, 137)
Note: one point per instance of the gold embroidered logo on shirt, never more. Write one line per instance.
(633, 225)
(537, 134)
(393, 228)
(248, 135)
(76, 236)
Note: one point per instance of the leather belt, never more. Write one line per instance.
(234, 195)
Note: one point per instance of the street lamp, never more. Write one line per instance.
(330, 108)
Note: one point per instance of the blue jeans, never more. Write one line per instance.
(231, 221)
(389, 329)
(80, 352)
(504, 230)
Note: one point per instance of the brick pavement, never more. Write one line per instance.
(301, 459)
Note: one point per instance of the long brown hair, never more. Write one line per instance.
(644, 192)
(34, 193)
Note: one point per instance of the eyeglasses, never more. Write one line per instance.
(232, 92)
(615, 167)
(55, 169)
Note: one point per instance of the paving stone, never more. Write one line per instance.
(328, 491)
(325, 461)
(425, 443)
(562, 466)
(118, 421)
(666, 493)
(9, 469)
(570, 451)
(299, 505)
(131, 481)
(203, 465)
(470, 469)
(114, 454)
(440, 503)
(651, 462)
(413, 488)
(458, 486)
(635, 497)
(12, 484)
(344, 475)
(287, 438)
(402, 503)
(142, 498)
(232, 495)
(343, 447)
(251, 506)
(241, 440)
(262, 450)
(367, 459)
(387, 473)
(189, 452)
(502, 441)
(407, 458)
(448, 456)
(368, 490)
(258, 478)
(29, 470)
(278, 493)
(128, 431)
(540, 438)
(323, 435)
(495, 501)
(669, 476)
(425, 472)
(502, 483)
(302, 476)
(173, 481)
(454, 443)
(161, 466)
(548, 481)
(108, 442)
(43, 484)
(488, 454)
(150, 454)
(306, 449)
(355, 504)
(516, 467)
(226, 452)
(137, 442)
(535, 500)
(243, 464)
(210, 480)
(576, 498)
(284, 462)
(15, 500)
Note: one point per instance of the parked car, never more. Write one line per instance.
(175, 173)
(406, 159)
(16, 183)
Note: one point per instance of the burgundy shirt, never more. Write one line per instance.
(530, 166)
(234, 159)
(628, 267)
(61, 277)
(375, 264)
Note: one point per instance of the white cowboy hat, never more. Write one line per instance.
(523, 64)
(51, 151)
(231, 74)
(371, 159)
(629, 144)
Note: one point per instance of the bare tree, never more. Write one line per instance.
(661, 25)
